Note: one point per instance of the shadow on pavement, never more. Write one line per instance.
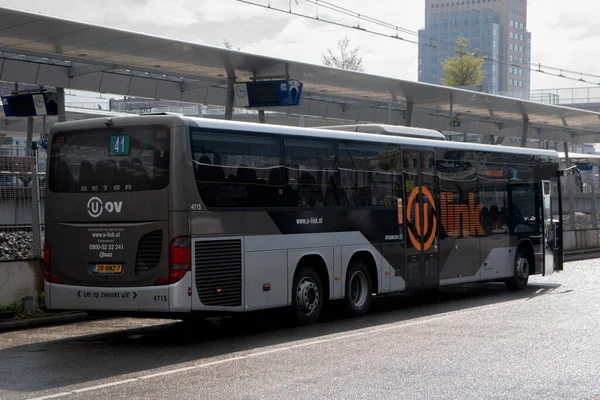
(73, 361)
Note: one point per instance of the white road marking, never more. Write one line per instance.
(52, 396)
(89, 388)
(392, 326)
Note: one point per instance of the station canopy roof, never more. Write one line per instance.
(55, 52)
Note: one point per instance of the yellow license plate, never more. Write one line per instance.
(107, 268)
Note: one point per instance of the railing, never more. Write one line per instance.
(89, 105)
(545, 98)
(515, 95)
(580, 95)
(138, 107)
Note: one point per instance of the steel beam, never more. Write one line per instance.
(189, 86)
(89, 69)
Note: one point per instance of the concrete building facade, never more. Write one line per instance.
(494, 28)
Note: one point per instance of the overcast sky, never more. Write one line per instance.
(565, 34)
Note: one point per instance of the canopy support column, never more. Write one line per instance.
(230, 99)
(408, 114)
(60, 100)
(570, 188)
(29, 138)
(594, 203)
(524, 132)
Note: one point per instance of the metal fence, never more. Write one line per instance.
(22, 183)
(576, 95)
(580, 209)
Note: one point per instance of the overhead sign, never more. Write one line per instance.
(30, 105)
(278, 93)
(584, 166)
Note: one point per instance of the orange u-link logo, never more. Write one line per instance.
(421, 213)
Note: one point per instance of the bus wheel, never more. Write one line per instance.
(359, 290)
(519, 280)
(307, 300)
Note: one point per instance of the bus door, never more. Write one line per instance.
(552, 228)
(557, 225)
(422, 221)
(526, 216)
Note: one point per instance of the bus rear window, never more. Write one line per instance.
(109, 160)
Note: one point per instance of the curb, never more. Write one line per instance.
(46, 320)
(582, 254)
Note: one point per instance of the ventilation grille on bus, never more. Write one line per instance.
(149, 251)
(219, 272)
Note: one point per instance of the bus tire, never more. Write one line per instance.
(307, 296)
(521, 276)
(359, 289)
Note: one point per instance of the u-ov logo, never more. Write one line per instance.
(421, 215)
(95, 207)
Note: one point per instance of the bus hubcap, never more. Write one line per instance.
(358, 289)
(522, 267)
(307, 296)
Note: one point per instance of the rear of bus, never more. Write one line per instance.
(116, 239)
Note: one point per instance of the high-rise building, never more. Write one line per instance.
(494, 28)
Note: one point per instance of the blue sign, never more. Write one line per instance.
(278, 93)
(30, 105)
(515, 175)
(584, 166)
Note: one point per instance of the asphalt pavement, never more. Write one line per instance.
(468, 342)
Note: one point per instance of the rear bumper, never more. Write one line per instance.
(160, 299)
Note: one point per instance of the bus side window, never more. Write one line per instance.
(276, 188)
(368, 174)
(311, 164)
(241, 171)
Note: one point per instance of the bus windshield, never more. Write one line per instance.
(110, 160)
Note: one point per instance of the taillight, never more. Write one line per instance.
(180, 260)
(48, 277)
(47, 261)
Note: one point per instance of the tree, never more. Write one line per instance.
(346, 59)
(229, 46)
(465, 68)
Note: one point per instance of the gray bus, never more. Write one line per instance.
(174, 216)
